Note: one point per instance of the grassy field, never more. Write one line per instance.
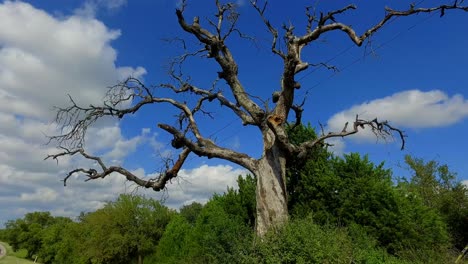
(14, 257)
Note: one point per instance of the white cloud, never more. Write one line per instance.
(337, 146)
(123, 147)
(41, 195)
(465, 182)
(112, 4)
(413, 109)
(197, 185)
(91, 7)
(42, 59)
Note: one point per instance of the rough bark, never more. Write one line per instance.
(271, 195)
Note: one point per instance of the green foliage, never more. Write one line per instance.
(367, 197)
(3, 234)
(302, 177)
(124, 230)
(73, 247)
(247, 194)
(175, 244)
(51, 238)
(240, 203)
(351, 190)
(26, 233)
(219, 235)
(303, 241)
(191, 211)
(13, 257)
(438, 188)
(222, 232)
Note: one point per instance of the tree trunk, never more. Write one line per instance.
(272, 209)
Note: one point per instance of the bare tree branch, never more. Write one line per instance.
(330, 16)
(273, 31)
(207, 148)
(328, 66)
(156, 184)
(381, 129)
(293, 63)
(209, 95)
(221, 53)
(298, 110)
(358, 40)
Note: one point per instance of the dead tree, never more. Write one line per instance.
(270, 168)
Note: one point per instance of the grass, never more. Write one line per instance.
(14, 257)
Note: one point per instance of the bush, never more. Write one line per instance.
(216, 237)
(303, 241)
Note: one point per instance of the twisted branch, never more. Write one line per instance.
(156, 184)
(380, 129)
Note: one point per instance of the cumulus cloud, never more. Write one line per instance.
(42, 59)
(197, 185)
(40, 194)
(413, 109)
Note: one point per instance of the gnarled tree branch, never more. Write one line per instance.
(221, 53)
(381, 129)
(358, 40)
(207, 148)
(156, 184)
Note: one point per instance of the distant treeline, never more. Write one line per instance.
(343, 210)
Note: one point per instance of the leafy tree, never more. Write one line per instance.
(438, 188)
(365, 195)
(51, 238)
(352, 191)
(191, 211)
(240, 203)
(2, 234)
(216, 237)
(74, 246)
(26, 233)
(175, 245)
(270, 122)
(307, 180)
(219, 236)
(125, 230)
(221, 233)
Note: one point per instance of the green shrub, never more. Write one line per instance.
(303, 241)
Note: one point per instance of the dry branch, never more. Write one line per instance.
(380, 129)
(156, 184)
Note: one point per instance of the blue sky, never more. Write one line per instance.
(412, 73)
